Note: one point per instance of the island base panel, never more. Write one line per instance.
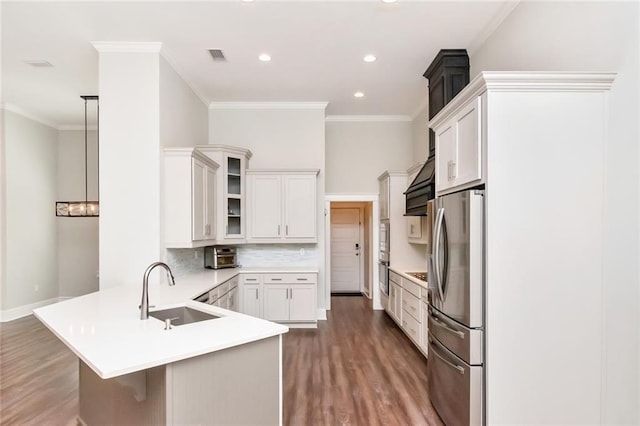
(235, 386)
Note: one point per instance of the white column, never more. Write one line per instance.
(129, 160)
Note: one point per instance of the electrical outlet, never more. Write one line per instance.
(301, 252)
(36, 287)
(195, 254)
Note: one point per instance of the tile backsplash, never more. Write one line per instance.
(251, 255)
(184, 261)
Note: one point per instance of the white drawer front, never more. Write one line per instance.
(223, 288)
(411, 305)
(411, 327)
(233, 282)
(290, 278)
(250, 278)
(412, 288)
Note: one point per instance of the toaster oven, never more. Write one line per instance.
(218, 257)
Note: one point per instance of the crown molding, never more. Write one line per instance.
(127, 46)
(366, 118)
(178, 71)
(492, 26)
(268, 105)
(517, 81)
(26, 114)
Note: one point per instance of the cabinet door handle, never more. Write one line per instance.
(278, 230)
(286, 229)
(256, 294)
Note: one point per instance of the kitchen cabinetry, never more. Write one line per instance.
(412, 318)
(448, 74)
(251, 295)
(290, 297)
(230, 190)
(542, 138)
(417, 226)
(225, 295)
(395, 296)
(282, 206)
(459, 147)
(189, 198)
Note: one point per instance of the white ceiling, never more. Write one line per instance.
(317, 49)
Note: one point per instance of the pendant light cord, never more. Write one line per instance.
(86, 174)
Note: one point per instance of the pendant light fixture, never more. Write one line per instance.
(84, 208)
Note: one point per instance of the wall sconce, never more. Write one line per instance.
(83, 208)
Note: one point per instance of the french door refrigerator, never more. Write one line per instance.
(456, 312)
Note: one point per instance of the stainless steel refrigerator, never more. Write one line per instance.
(456, 312)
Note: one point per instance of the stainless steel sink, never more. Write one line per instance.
(182, 315)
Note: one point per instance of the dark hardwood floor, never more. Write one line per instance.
(357, 368)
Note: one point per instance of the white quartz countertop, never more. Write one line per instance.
(104, 328)
(405, 275)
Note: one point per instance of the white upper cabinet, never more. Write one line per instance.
(189, 198)
(459, 148)
(230, 224)
(282, 206)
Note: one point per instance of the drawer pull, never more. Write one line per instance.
(276, 279)
(251, 279)
(301, 279)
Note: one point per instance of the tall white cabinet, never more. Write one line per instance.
(231, 189)
(536, 140)
(282, 206)
(189, 188)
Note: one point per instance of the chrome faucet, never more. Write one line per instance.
(144, 305)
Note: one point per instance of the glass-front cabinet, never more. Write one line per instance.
(234, 161)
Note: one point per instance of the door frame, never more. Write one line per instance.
(355, 206)
(375, 242)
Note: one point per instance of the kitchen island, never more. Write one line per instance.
(226, 370)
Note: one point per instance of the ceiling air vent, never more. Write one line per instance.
(217, 55)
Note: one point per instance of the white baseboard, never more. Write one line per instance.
(23, 311)
(321, 314)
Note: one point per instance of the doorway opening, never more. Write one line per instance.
(350, 248)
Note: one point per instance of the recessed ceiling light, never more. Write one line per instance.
(38, 63)
(247, 1)
(358, 95)
(369, 58)
(264, 57)
(389, 1)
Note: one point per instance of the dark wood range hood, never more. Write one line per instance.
(448, 74)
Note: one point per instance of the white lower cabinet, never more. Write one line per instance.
(290, 302)
(407, 306)
(283, 297)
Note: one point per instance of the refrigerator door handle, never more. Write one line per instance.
(438, 321)
(436, 251)
(434, 350)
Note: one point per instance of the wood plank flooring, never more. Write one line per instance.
(357, 368)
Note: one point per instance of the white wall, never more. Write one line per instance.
(279, 138)
(129, 165)
(420, 131)
(31, 273)
(576, 36)
(184, 118)
(359, 151)
(77, 237)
